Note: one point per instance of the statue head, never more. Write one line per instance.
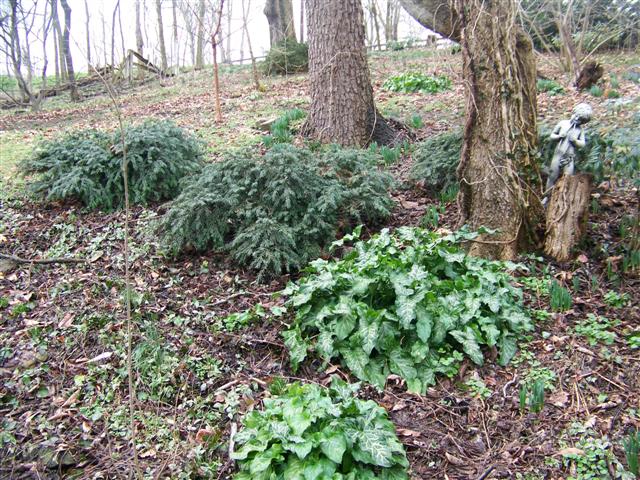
(581, 113)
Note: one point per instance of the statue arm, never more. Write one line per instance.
(580, 140)
(556, 133)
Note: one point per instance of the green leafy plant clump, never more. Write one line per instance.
(412, 82)
(276, 212)
(87, 165)
(287, 57)
(549, 86)
(410, 303)
(281, 130)
(436, 160)
(310, 432)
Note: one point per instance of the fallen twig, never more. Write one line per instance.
(43, 261)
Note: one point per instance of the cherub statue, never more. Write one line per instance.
(571, 136)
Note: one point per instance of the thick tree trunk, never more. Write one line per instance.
(279, 14)
(500, 132)
(200, 37)
(342, 107)
(499, 180)
(66, 48)
(567, 215)
(163, 49)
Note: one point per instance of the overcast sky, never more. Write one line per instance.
(100, 17)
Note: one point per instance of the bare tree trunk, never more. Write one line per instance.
(499, 180)
(279, 14)
(86, 25)
(227, 54)
(176, 47)
(188, 21)
(342, 107)
(139, 41)
(163, 50)
(302, 21)
(200, 39)
(216, 80)
(104, 36)
(373, 11)
(254, 68)
(15, 52)
(124, 53)
(61, 70)
(113, 33)
(75, 94)
(392, 17)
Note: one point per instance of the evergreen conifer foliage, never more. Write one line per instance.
(276, 212)
(87, 165)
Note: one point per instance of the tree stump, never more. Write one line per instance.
(567, 215)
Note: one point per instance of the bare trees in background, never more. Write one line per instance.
(383, 19)
(66, 49)
(576, 29)
(279, 14)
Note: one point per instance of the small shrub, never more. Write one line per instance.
(550, 86)
(410, 303)
(307, 431)
(613, 94)
(412, 82)
(596, 91)
(276, 212)
(436, 160)
(88, 165)
(286, 57)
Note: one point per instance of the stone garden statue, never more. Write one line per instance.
(571, 136)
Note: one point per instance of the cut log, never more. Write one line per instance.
(589, 75)
(567, 215)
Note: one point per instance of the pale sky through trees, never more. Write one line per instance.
(101, 14)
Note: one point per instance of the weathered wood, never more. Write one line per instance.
(567, 215)
(589, 75)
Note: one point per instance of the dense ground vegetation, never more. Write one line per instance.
(208, 345)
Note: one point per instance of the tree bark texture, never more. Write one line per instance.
(499, 179)
(66, 48)
(500, 130)
(342, 107)
(279, 14)
(567, 215)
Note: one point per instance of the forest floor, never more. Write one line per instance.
(63, 389)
